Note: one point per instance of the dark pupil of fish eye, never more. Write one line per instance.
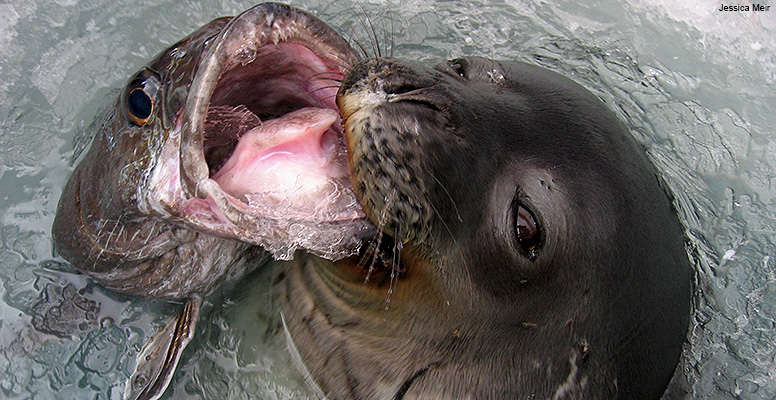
(140, 104)
(527, 233)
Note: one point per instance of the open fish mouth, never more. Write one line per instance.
(258, 153)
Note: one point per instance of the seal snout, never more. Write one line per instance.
(385, 111)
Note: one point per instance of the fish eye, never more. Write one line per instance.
(140, 105)
(140, 97)
(527, 231)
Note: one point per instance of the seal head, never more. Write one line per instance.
(528, 246)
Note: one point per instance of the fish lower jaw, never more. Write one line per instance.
(281, 220)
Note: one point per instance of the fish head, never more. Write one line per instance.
(231, 135)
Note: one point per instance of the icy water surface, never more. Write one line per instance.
(697, 86)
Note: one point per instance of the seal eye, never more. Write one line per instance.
(527, 231)
(140, 97)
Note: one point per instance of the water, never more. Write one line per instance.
(697, 86)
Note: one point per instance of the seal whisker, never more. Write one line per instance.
(335, 84)
(109, 238)
(387, 34)
(370, 28)
(137, 232)
(121, 231)
(467, 270)
(354, 37)
(452, 201)
(395, 269)
(324, 88)
(469, 281)
(371, 254)
(374, 244)
(326, 98)
(393, 36)
(329, 73)
(339, 61)
(99, 226)
(151, 233)
(297, 360)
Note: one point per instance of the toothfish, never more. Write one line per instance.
(222, 151)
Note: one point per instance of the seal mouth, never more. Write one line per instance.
(386, 112)
(262, 156)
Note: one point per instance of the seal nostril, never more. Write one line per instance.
(400, 88)
(425, 103)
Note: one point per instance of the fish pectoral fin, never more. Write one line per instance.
(157, 361)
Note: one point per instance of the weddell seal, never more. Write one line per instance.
(526, 247)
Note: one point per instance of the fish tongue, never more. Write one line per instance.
(286, 156)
